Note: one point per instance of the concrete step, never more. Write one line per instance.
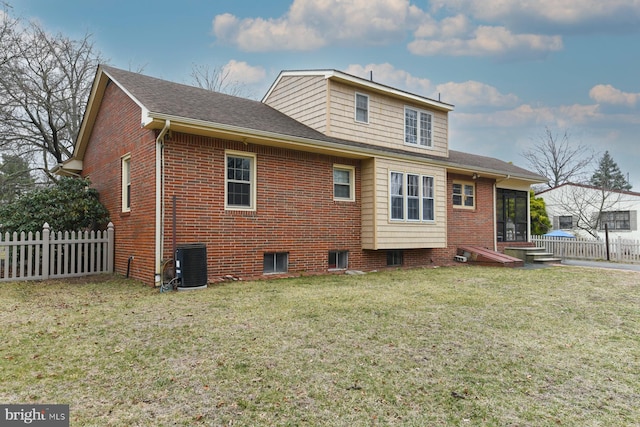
(547, 260)
(533, 254)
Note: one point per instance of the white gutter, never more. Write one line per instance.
(159, 201)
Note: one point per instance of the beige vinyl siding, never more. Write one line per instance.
(378, 231)
(386, 121)
(303, 98)
(368, 203)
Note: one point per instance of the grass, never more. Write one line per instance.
(438, 347)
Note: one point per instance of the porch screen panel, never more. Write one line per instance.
(511, 215)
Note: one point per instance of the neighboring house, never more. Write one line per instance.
(585, 209)
(329, 172)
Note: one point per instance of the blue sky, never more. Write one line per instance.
(511, 68)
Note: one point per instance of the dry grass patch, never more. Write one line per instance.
(448, 346)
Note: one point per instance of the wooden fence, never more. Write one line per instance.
(620, 250)
(49, 255)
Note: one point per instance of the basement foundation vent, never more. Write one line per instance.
(191, 266)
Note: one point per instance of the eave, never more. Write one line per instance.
(364, 84)
(334, 148)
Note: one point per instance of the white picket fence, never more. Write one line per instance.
(50, 255)
(620, 250)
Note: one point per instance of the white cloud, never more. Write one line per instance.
(240, 71)
(488, 41)
(558, 15)
(525, 115)
(311, 24)
(256, 35)
(472, 93)
(388, 75)
(607, 94)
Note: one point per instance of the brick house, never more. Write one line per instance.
(328, 172)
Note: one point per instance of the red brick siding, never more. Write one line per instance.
(295, 211)
(117, 132)
(469, 226)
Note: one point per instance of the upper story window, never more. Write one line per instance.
(240, 181)
(417, 127)
(411, 197)
(464, 195)
(343, 182)
(362, 108)
(126, 183)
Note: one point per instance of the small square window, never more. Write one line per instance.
(463, 195)
(394, 258)
(276, 262)
(338, 260)
(565, 222)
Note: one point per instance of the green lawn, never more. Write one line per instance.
(428, 347)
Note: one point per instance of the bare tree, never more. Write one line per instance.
(44, 88)
(557, 159)
(218, 79)
(7, 34)
(586, 205)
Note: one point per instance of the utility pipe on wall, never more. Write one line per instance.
(159, 202)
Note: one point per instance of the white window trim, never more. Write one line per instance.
(125, 176)
(352, 183)
(355, 107)
(405, 198)
(417, 144)
(252, 180)
(464, 196)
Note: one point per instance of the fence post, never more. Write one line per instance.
(110, 246)
(46, 231)
(606, 239)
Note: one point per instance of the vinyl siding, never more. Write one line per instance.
(303, 98)
(386, 121)
(378, 231)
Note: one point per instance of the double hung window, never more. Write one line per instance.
(240, 181)
(343, 183)
(362, 108)
(411, 197)
(126, 183)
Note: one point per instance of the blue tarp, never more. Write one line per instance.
(560, 233)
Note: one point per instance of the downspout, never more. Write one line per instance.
(159, 200)
(495, 217)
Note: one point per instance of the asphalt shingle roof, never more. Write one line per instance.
(193, 103)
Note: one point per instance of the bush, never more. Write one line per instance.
(71, 204)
